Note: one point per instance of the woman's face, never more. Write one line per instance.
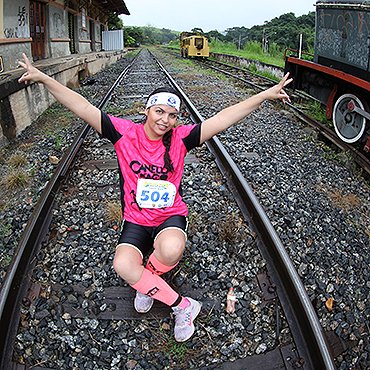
(160, 119)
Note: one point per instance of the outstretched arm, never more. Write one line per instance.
(233, 114)
(69, 98)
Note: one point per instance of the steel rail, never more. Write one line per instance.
(13, 289)
(208, 63)
(304, 323)
(311, 341)
(357, 156)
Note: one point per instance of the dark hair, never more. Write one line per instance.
(166, 140)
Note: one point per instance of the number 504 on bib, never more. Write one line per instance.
(155, 193)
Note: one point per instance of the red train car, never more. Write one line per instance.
(338, 74)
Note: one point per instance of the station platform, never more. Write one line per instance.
(19, 107)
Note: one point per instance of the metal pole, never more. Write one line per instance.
(300, 46)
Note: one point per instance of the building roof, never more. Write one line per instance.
(118, 6)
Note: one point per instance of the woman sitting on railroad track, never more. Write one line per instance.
(151, 163)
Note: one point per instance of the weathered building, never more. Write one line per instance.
(64, 39)
(52, 28)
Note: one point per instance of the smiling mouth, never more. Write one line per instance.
(162, 127)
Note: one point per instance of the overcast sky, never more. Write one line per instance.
(209, 14)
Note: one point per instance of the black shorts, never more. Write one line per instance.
(142, 237)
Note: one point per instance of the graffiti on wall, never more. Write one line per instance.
(343, 35)
(22, 16)
(20, 28)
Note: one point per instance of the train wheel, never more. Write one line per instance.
(348, 124)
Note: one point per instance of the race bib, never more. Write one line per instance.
(155, 193)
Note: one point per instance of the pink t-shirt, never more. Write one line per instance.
(140, 157)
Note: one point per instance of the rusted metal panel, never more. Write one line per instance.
(343, 33)
(332, 72)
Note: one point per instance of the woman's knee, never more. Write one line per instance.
(169, 250)
(128, 264)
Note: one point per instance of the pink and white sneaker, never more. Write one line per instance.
(184, 326)
(142, 302)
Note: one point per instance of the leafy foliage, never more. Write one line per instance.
(274, 36)
(283, 31)
(114, 22)
(148, 35)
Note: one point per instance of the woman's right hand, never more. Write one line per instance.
(32, 73)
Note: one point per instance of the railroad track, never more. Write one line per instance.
(91, 299)
(297, 178)
(299, 105)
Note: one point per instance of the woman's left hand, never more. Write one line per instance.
(278, 92)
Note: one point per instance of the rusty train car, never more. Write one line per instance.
(338, 75)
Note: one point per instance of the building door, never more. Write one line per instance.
(72, 33)
(92, 35)
(38, 29)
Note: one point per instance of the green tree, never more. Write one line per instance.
(282, 32)
(215, 35)
(197, 30)
(114, 21)
(133, 35)
(238, 36)
(165, 36)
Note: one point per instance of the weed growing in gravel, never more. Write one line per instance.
(346, 202)
(328, 153)
(114, 212)
(16, 179)
(58, 141)
(135, 108)
(53, 119)
(26, 146)
(163, 342)
(115, 110)
(229, 229)
(5, 231)
(17, 160)
(5, 259)
(187, 76)
(269, 75)
(216, 74)
(178, 352)
(131, 54)
(318, 112)
(253, 68)
(188, 62)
